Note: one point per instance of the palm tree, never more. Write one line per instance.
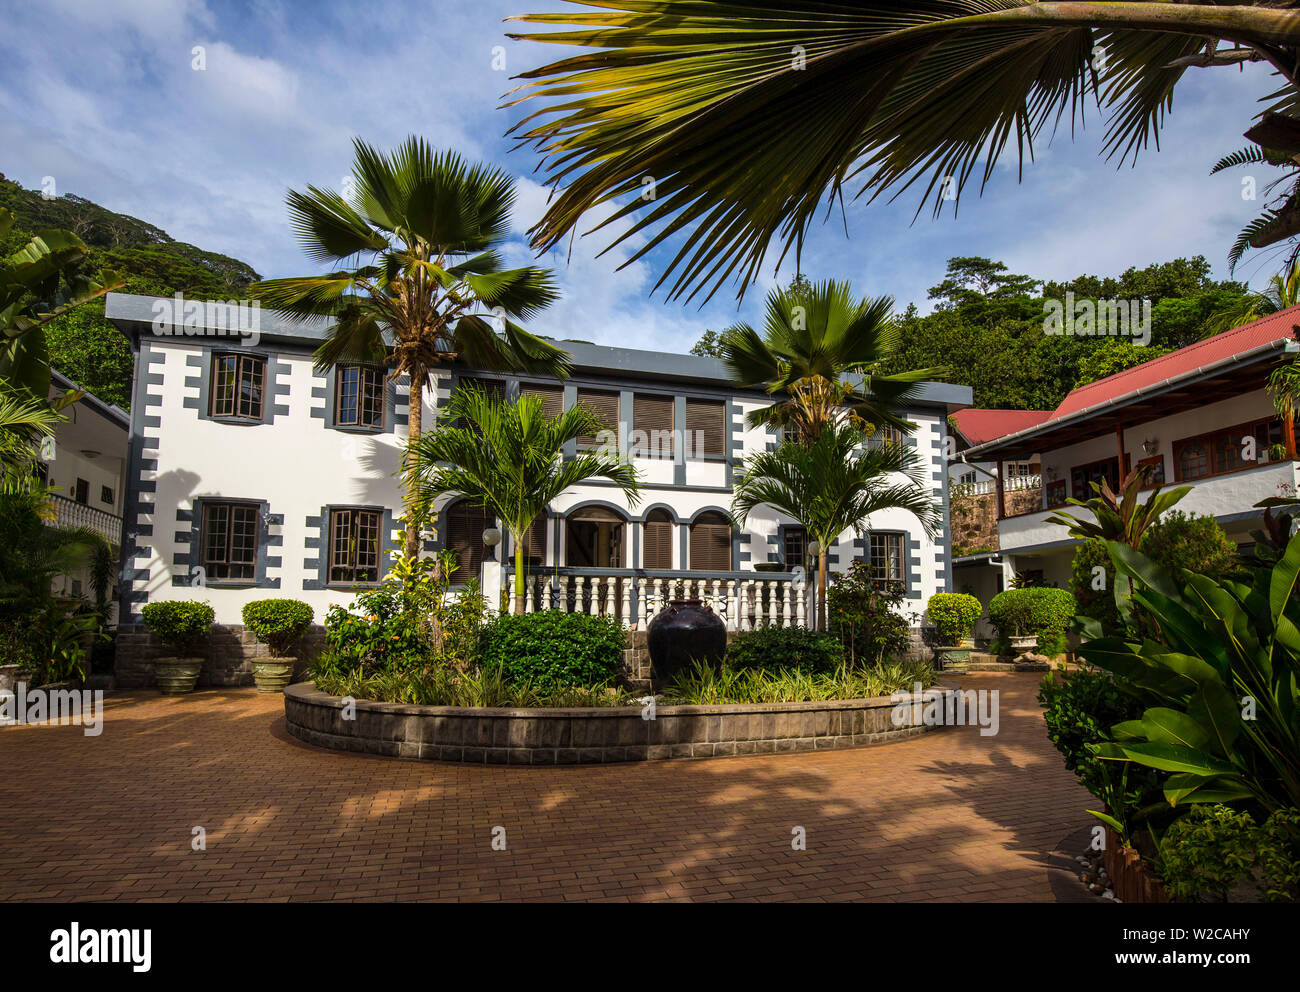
(24, 422)
(834, 486)
(1284, 387)
(747, 116)
(1283, 292)
(817, 350)
(418, 236)
(508, 457)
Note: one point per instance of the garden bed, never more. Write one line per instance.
(594, 736)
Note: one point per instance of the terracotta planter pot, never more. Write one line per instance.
(177, 676)
(273, 675)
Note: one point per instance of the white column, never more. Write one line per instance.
(564, 594)
(733, 605)
(610, 592)
(789, 604)
(490, 580)
(577, 593)
(642, 617)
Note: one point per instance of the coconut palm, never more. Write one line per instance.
(833, 486)
(746, 117)
(818, 347)
(417, 235)
(508, 457)
(1283, 292)
(24, 422)
(1284, 388)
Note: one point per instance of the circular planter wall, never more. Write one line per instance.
(592, 736)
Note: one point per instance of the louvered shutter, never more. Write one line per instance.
(706, 426)
(657, 555)
(711, 544)
(652, 425)
(465, 526)
(535, 540)
(552, 397)
(605, 406)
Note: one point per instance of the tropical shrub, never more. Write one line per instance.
(704, 685)
(954, 615)
(867, 616)
(551, 650)
(378, 630)
(1213, 850)
(434, 685)
(1098, 604)
(278, 623)
(1220, 676)
(1195, 543)
(773, 649)
(1037, 611)
(179, 624)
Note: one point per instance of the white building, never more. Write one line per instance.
(254, 477)
(1200, 416)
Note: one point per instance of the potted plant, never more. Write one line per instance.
(954, 616)
(279, 624)
(180, 625)
(1277, 452)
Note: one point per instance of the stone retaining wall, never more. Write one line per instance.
(589, 736)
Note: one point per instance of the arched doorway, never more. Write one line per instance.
(596, 538)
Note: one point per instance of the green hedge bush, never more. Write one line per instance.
(552, 651)
(954, 615)
(774, 649)
(278, 623)
(179, 624)
(1037, 611)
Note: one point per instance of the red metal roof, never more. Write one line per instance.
(980, 426)
(1195, 358)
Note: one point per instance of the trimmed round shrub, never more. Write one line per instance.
(278, 623)
(1037, 611)
(954, 615)
(1098, 604)
(1178, 540)
(179, 624)
(774, 649)
(551, 650)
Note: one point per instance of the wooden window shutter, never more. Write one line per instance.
(711, 544)
(604, 405)
(652, 423)
(552, 397)
(706, 427)
(535, 539)
(465, 527)
(657, 555)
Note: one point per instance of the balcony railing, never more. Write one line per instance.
(744, 600)
(1021, 483)
(70, 513)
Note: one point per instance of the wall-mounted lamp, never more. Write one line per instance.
(1151, 446)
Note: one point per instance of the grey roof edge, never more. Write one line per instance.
(109, 411)
(134, 314)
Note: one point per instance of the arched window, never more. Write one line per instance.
(711, 543)
(465, 524)
(658, 553)
(595, 538)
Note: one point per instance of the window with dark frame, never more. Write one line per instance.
(795, 548)
(464, 526)
(1223, 452)
(238, 387)
(710, 543)
(1153, 471)
(359, 396)
(887, 559)
(653, 418)
(228, 540)
(552, 397)
(81, 492)
(604, 405)
(106, 495)
(1057, 494)
(657, 555)
(355, 538)
(1083, 476)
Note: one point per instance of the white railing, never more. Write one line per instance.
(1019, 483)
(70, 513)
(744, 600)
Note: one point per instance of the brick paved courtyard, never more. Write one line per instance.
(948, 816)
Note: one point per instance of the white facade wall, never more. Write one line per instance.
(296, 466)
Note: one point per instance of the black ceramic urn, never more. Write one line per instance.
(686, 632)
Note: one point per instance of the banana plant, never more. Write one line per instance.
(1222, 674)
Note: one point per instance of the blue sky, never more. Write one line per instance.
(102, 96)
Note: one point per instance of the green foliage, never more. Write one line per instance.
(1097, 604)
(379, 630)
(1195, 543)
(1043, 613)
(773, 648)
(1220, 674)
(551, 650)
(704, 685)
(278, 623)
(179, 624)
(954, 615)
(432, 685)
(1214, 849)
(866, 616)
(1112, 356)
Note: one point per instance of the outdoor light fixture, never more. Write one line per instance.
(90, 455)
(492, 537)
(1151, 446)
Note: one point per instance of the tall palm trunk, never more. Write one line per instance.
(416, 425)
(822, 557)
(519, 575)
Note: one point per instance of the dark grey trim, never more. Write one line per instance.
(184, 563)
(319, 565)
(679, 447)
(138, 447)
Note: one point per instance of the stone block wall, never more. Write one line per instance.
(227, 652)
